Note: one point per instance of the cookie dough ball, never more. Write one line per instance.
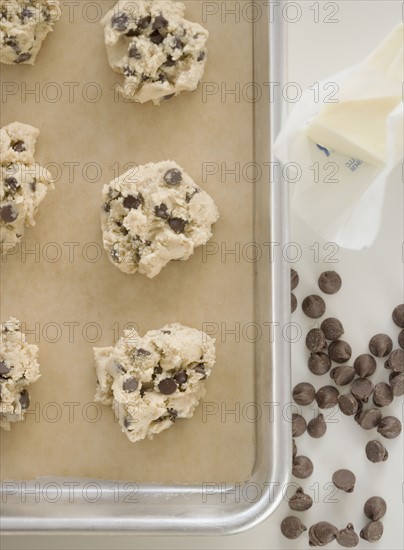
(18, 369)
(159, 52)
(151, 382)
(24, 25)
(23, 183)
(153, 214)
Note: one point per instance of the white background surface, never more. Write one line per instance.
(372, 286)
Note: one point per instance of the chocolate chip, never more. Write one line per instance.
(322, 533)
(4, 369)
(362, 389)
(340, 351)
(319, 363)
(200, 369)
(177, 225)
(365, 365)
(167, 386)
(26, 13)
(398, 315)
(144, 22)
(329, 282)
(368, 419)
(293, 302)
(160, 22)
(315, 340)
(156, 371)
(298, 425)
(313, 306)
(132, 203)
(142, 352)
(397, 383)
(327, 397)
(304, 393)
(156, 37)
(161, 211)
(382, 395)
(347, 537)
(344, 480)
(33, 185)
(130, 385)
(106, 207)
(395, 361)
(173, 177)
(300, 502)
(401, 339)
(21, 59)
(172, 414)
(302, 467)
(18, 146)
(170, 62)
(169, 96)
(24, 399)
(8, 214)
(181, 377)
(133, 32)
(294, 448)
(332, 328)
(120, 21)
(317, 427)
(201, 56)
(342, 375)
(380, 345)
(294, 279)
(389, 427)
(348, 404)
(12, 183)
(134, 53)
(376, 452)
(375, 508)
(292, 527)
(372, 532)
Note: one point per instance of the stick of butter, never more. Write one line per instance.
(356, 126)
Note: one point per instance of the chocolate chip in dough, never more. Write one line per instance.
(332, 328)
(119, 21)
(365, 365)
(319, 363)
(344, 480)
(362, 389)
(389, 427)
(181, 377)
(302, 467)
(304, 394)
(330, 282)
(294, 279)
(12, 183)
(300, 502)
(132, 203)
(160, 23)
(8, 214)
(315, 340)
(373, 531)
(382, 395)
(313, 306)
(342, 375)
(348, 404)
(292, 527)
(130, 385)
(177, 225)
(144, 22)
(173, 177)
(4, 369)
(347, 537)
(24, 399)
(380, 345)
(298, 425)
(369, 418)
(161, 211)
(398, 315)
(376, 452)
(322, 533)
(375, 508)
(327, 397)
(340, 351)
(19, 146)
(317, 427)
(167, 386)
(134, 53)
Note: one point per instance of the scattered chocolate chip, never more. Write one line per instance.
(329, 282)
(294, 279)
(22, 58)
(340, 351)
(342, 375)
(201, 56)
(120, 21)
(362, 389)
(380, 345)
(200, 369)
(33, 185)
(395, 361)
(181, 377)
(389, 427)
(177, 225)
(159, 23)
(18, 146)
(344, 480)
(132, 203)
(293, 302)
(332, 328)
(313, 306)
(127, 422)
(300, 502)
(24, 399)
(348, 404)
(304, 393)
(156, 37)
(401, 339)
(365, 365)
(327, 397)
(317, 427)
(144, 22)
(319, 363)
(322, 533)
(130, 385)
(26, 13)
(376, 452)
(398, 315)
(382, 395)
(347, 537)
(4, 369)
(302, 467)
(170, 62)
(292, 527)
(173, 177)
(375, 508)
(167, 386)
(12, 183)
(134, 53)
(369, 418)
(156, 371)
(397, 383)
(161, 211)
(132, 32)
(172, 414)
(8, 214)
(372, 532)
(315, 340)
(106, 207)
(298, 425)
(142, 352)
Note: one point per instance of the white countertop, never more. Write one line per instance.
(372, 286)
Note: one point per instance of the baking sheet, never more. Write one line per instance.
(68, 301)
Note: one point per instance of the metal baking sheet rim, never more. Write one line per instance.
(158, 509)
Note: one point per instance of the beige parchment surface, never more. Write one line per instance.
(71, 303)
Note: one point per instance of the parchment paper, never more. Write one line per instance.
(61, 296)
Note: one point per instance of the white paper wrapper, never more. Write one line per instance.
(340, 195)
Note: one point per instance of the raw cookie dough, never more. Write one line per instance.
(158, 51)
(151, 381)
(18, 369)
(24, 25)
(23, 183)
(153, 214)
